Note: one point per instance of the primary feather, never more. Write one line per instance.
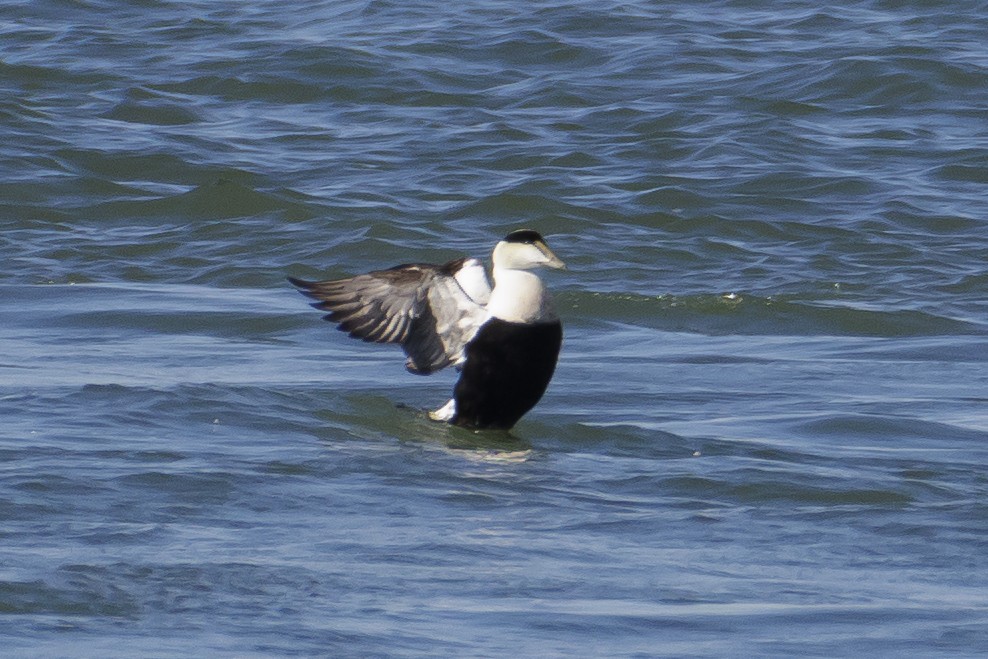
(422, 307)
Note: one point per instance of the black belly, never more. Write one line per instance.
(507, 369)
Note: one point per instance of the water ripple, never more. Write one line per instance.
(769, 407)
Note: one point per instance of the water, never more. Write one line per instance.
(767, 433)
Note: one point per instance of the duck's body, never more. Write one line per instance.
(504, 339)
(508, 367)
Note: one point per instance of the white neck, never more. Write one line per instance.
(520, 297)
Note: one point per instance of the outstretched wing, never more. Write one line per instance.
(424, 308)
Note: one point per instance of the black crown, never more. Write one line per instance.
(524, 236)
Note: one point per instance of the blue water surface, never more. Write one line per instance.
(768, 428)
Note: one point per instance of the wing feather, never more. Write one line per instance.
(425, 308)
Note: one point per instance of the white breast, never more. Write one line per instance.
(519, 296)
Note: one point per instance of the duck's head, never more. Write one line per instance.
(524, 250)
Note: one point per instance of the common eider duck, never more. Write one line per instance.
(504, 339)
